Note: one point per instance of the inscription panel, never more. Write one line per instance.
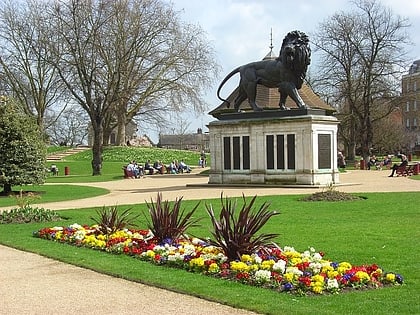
(324, 151)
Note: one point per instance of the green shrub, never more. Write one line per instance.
(28, 214)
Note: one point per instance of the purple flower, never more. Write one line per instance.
(288, 286)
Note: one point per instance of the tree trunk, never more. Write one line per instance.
(121, 129)
(7, 189)
(97, 149)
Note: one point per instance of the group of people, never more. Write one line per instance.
(138, 170)
(378, 164)
(375, 162)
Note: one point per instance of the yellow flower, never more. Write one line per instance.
(363, 276)
(267, 264)
(289, 277)
(246, 258)
(150, 254)
(317, 278)
(332, 274)
(390, 277)
(214, 268)
(239, 266)
(197, 262)
(317, 287)
(343, 267)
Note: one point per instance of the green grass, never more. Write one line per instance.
(382, 229)
(53, 193)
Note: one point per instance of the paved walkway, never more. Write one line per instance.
(31, 284)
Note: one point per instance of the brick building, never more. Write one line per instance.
(411, 102)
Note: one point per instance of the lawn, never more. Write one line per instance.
(52, 193)
(381, 229)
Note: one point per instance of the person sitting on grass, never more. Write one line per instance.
(404, 162)
(148, 167)
(373, 161)
(184, 167)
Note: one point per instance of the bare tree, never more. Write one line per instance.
(156, 63)
(70, 126)
(125, 58)
(24, 57)
(363, 53)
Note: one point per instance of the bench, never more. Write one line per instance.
(405, 170)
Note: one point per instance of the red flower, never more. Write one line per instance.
(305, 280)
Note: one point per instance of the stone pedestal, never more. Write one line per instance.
(296, 147)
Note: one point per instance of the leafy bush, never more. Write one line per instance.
(111, 220)
(169, 224)
(237, 235)
(28, 214)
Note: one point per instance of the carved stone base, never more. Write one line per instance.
(294, 147)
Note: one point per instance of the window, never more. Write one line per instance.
(415, 86)
(415, 105)
(407, 108)
(407, 123)
(415, 122)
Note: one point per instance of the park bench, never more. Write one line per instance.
(405, 170)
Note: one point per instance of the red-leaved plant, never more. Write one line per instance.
(236, 234)
(169, 223)
(111, 220)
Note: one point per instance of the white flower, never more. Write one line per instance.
(257, 259)
(306, 254)
(176, 257)
(332, 284)
(189, 249)
(79, 235)
(279, 266)
(262, 275)
(76, 226)
(316, 257)
(294, 270)
(289, 249)
(315, 266)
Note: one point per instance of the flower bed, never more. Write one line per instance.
(282, 269)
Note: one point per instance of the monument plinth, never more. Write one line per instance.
(288, 150)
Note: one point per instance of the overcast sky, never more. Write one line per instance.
(239, 30)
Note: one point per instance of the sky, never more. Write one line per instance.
(239, 31)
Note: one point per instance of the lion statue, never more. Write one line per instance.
(286, 73)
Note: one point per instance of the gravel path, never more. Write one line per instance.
(32, 284)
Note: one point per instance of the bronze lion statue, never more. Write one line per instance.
(286, 73)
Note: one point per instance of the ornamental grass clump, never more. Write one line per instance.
(111, 220)
(169, 223)
(237, 234)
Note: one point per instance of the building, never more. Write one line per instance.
(194, 141)
(411, 98)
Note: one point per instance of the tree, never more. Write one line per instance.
(156, 63)
(25, 58)
(123, 58)
(362, 55)
(22, 151)
(69, 127)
